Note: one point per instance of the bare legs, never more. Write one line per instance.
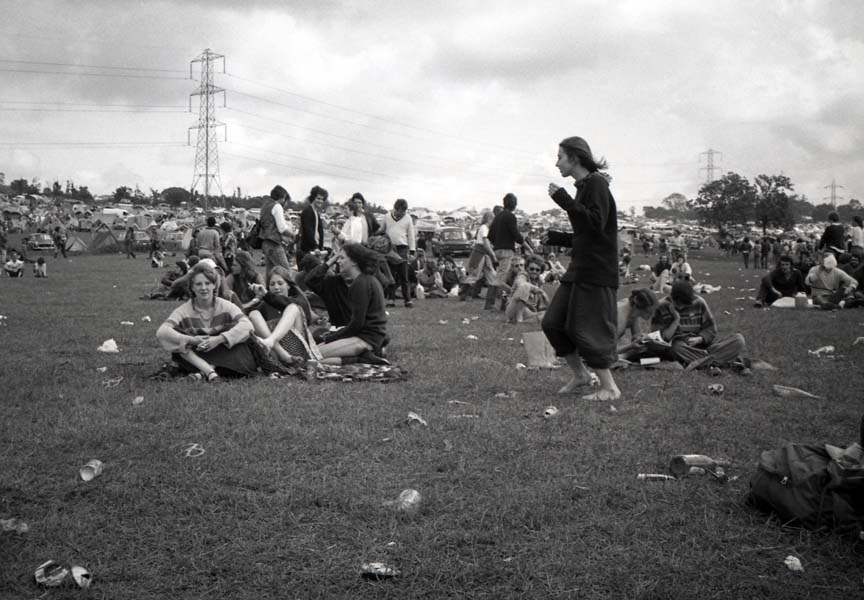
(334, 352)
(608, 389)
(292, 318)
(199, 363)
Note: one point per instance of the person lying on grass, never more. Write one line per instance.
(281, 319)
(208, 333)
(782, 282)
(634, 316)
(527, 299)
(830, 286)
(366, 333)
(686, 323)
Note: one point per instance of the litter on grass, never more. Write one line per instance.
(859, 340)
(91, 470)
(612, 409)
(126, 323)
(475, 317)
(414, 419)
(408, 500)
(471, 337)
(137, 400)
(50, 574)
(109, 383)
(824, 350)
(654, 477)
(13, 524)
(443, 322)
(550, 412)
(466, 321)
(81, 577)
(146, 319)
(716, 389)
(520, 366)
(194, 450)
(785, 391)
(101, 369)
(378, 570)
(109, 346)
(793, 563)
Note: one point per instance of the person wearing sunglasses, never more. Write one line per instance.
(527, 299)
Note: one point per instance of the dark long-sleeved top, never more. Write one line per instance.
(311, 230)
(368, 318)
(504, 231)
(333, 291)
(787, 286)
(594, 242)
(273, 305)
(833, 236)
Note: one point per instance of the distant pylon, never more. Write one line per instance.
(833, 197)
(206, 151)
(709, 167)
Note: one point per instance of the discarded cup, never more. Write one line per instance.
(51, 574)
(91, 470)
(13, 524)
(716, 389)
(101, 369)
(793, 563)
(415, 419)
(378, 570)
(81, 577)
(520, 366)
(550, 412)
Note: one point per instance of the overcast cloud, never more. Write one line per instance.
(445, 104)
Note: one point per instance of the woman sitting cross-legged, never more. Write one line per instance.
(281, 319)
(366, 332)
(207, 332)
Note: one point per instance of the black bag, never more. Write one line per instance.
(808, 487)
(253, 239)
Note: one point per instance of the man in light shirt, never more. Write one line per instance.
(399, 227)
(276, 230)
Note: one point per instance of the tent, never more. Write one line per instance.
(103, 241)
(75, 244)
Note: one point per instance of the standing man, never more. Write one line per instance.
(276, 231)
(210, 244)
(399, 227)
(581, 322)
(504, 235)
(311, 226)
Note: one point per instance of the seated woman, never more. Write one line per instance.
(14, 267)
(527, 300)
(450, 275)
(243, 277)
(681, 267)
(553, 269)
(281, 319)
(431, 280)
(661, 273)
(633, 311)
(207, 332)
(686, 323)
(366, 333)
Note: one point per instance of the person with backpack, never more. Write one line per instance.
(275, 231)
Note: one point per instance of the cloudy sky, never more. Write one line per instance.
(443, 103)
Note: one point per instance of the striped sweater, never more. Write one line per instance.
(186, 321)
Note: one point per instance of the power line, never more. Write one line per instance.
(295, 167)
(117, 75)
(84, 66)
(92, 110)
(63, 103)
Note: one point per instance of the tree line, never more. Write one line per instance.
(732, 200)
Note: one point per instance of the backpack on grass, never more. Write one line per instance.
(815, 487)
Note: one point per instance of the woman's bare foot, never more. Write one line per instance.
(267, 342)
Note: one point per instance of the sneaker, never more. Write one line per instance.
(409, 304)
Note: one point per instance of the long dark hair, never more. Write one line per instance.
(577, 148)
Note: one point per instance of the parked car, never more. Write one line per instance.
(453, 241)
(39, 242)
(85, 225)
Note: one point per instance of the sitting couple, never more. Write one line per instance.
(684, 328)
(208, 334)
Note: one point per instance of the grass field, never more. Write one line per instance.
(286, 502)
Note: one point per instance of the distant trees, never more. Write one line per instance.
(733, 200)
(772, 207)
(672, 208)
(175, 195)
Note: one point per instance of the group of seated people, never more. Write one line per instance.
(682, 329)
(830, 285)
(14, 266)
(213, 333)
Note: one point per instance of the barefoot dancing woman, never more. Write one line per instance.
(581, 320)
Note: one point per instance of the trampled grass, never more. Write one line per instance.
(286, 501)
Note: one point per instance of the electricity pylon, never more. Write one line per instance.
(206, 151)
